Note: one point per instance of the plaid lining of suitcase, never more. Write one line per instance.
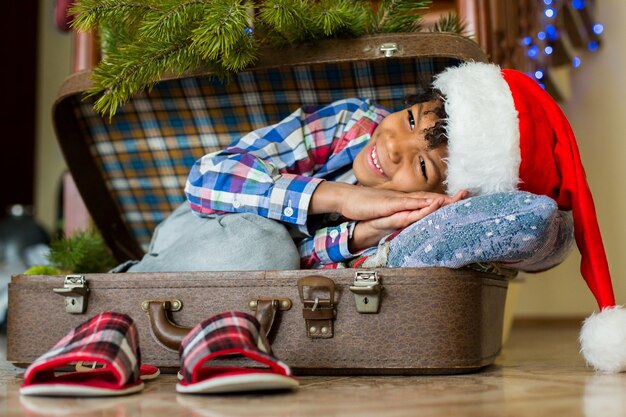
(146, 151)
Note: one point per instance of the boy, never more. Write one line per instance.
(351, 158)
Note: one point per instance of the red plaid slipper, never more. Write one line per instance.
(110, 339)
(228, 334)
(146, 372)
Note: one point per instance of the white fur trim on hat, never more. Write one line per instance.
(603, 340)
(483, 129)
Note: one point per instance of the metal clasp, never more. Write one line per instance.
(318, 311)
(75, 291)
(367, 290)
(388, 49)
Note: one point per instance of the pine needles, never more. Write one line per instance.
(143, 40)
(450, 23)
(83, 252)
(398, 16)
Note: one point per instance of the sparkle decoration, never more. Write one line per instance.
(543, 46)
(598, 28)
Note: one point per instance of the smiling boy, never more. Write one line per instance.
(344, 176)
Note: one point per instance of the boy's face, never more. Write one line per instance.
(397, 157)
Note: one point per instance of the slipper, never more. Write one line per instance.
(230, 334)
(147, 372)
(108, 338)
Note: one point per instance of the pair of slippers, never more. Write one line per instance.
(107, 361)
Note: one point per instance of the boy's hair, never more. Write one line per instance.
(436, 135)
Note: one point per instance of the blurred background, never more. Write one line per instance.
(581, 64)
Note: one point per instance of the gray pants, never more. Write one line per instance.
(230, 242)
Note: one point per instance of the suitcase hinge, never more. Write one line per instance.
(75, 291)
(319, 313)
(367, 290)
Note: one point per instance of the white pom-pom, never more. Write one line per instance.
(603, 340)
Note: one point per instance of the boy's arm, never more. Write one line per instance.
(269, 171)
(380, 212)
(349, 239)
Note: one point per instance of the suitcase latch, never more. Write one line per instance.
(318, 306)
(75, 291)
(367, 290)
(388, 49)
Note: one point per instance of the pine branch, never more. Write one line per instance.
(241, 54)
(173, 19)
(399, 16)
(338, 17)
(83, 252)
(222, 29)
(115, 34)
(136, 67)
(450, 23)
(283, 21)
(142, 40)
(89, 14)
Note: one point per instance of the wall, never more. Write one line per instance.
(595, 111)
(55, 50)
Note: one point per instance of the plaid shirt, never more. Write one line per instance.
(273, 172)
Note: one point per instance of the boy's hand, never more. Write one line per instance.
(368, 233)
(366, 203)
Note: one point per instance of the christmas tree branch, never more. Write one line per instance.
(222, 27)
(450, 23)
(173, 19)
(89, 14)
(125, 72)
(145, 39)
(283, 21)
(399, 15)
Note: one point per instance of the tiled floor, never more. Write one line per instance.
(539, 373)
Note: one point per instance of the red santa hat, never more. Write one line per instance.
(505, 132)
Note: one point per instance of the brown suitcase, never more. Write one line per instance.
(428, 320)
(131, 171)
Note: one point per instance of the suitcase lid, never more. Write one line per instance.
(131, 170)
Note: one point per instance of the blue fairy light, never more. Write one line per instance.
(542, 85)
(547, 2)
(598, 28)
(533, 51)
(550, 12)
(578, 4)
(548, 50)
(593, 46)
(538, 74)
(248, 31)
(541, 35)
(527, 40)
(576, 62)
(551, 32)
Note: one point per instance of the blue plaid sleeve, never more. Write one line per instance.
(327, 246)
(270, 171)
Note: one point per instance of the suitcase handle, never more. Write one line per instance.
(170, 334)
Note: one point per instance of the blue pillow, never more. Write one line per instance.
(517, 229)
